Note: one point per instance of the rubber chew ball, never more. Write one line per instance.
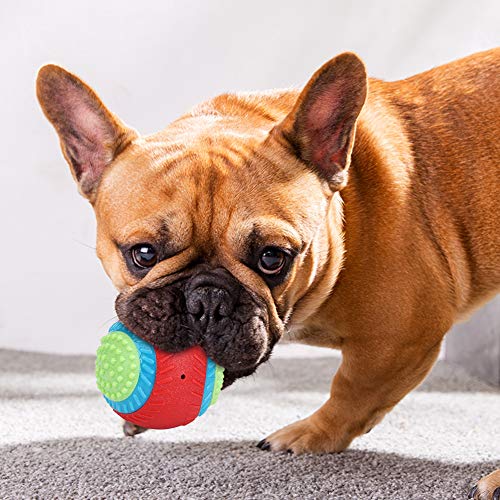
(153, 388)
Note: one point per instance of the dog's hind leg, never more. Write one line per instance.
(488, 488)
(131, 430)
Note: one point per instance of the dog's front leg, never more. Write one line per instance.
(370, 381)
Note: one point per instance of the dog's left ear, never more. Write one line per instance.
(322, 124)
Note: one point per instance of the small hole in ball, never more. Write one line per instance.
(183, 376)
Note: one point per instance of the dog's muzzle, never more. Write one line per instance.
(209, 308)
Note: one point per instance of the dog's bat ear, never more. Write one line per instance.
(91, 136)
(322, 124)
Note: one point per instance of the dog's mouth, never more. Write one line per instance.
(210, 309)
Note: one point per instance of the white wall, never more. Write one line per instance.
(150, 61)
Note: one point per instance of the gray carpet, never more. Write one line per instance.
(59, 439)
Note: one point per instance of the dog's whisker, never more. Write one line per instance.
(113, 319)
(84, 244)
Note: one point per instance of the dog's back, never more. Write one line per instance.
(452, 119)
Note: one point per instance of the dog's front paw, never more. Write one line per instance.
(488, 488)
(309, 435)
(130, 429)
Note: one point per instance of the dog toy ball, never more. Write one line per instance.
(153, 388)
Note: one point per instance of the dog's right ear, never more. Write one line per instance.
(91, 136)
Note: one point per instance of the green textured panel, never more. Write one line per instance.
(219, 378)
(117, 366)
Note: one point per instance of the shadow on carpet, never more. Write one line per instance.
(131, 468)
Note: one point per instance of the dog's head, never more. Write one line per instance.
(218, 228)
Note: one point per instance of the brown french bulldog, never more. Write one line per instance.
(356, 214)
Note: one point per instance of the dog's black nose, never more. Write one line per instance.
(211, 297)
(208, 305)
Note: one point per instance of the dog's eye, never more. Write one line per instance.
(272, 260)
(144, 255)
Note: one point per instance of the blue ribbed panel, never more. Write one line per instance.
(209, 387)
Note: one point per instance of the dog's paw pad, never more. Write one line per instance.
(131, 430)
(472, 492)
(263, 445)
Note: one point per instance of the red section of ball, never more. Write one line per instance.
(177, 393)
